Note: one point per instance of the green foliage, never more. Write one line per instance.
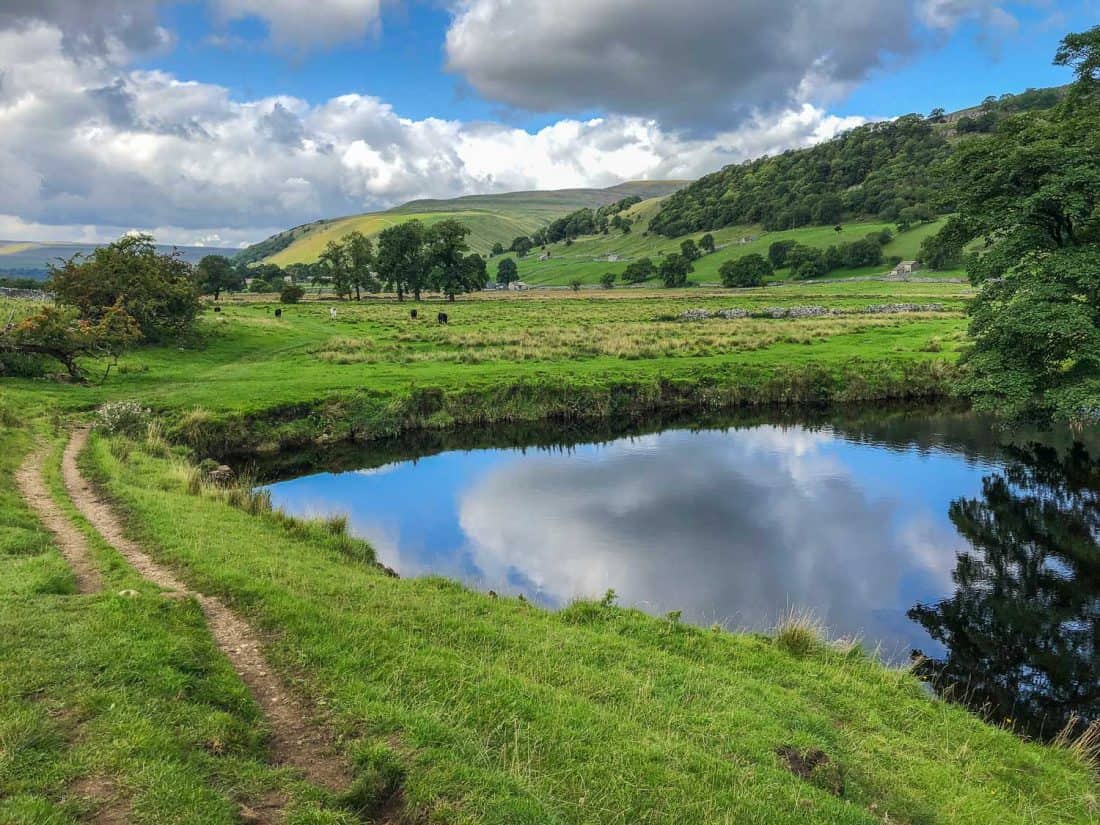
(216, 273)
(347, 264)
(607, 280)
(689, 250)
(453, 272)
(507, 272)
(674, 270)
(401, 261)
(575, 284)
(706, 243)
(157, 291)
(778, 252)
(1032, 192)
(750, 270)
(806, 262)
(639, 271)
(1081, 51)
(521, 245)
(873, 170)
(60, 333)
(291, 294)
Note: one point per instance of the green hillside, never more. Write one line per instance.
(491, 219)
(589, 257)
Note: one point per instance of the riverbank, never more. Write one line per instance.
(449, 705)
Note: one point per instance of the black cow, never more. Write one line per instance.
(441, 317)
(412, 314)
(217, 309)
(278, 313)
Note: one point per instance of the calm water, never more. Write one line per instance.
(914, 532)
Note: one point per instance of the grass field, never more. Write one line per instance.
(587, 260)
(466, 708)
(551, 353)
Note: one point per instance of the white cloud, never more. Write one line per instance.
(304, 24)
(86, 142)
(695, 63)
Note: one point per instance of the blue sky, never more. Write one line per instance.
(221, 121)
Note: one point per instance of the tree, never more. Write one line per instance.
(689, 250)
(521, 246)
(1020, 631)
(607, 280)
(291, 294)
(778, 251)
(507, 272)
(215, 273)
(830, 209)
(575, 284)
(60, 333)
(746, 271)
(335, 260)
(706, 243)
(498, 249)
(401, 260)
(806, 262)
(944, 250)
(446, 244)
(157, 291)
(675, 270)
(1031, 191)
(1081, 51)
(639, 271)
(359, 255)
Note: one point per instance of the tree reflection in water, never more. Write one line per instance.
(1022, 630)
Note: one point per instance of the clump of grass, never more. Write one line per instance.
(800, 632)
(1084, 744)
(337, 523)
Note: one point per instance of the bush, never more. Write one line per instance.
(747, 271)
(607, 280)
(123, 417)
(291, 294)
(575, 284)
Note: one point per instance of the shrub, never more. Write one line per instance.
(607, 280)
(291, 294)
(123, 417)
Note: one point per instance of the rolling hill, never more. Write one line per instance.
(491, 218)
(31, 259)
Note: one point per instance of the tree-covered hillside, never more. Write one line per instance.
(878, 170)
(883, 171)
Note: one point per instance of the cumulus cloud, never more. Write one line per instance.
(692, 63)
(303, 24)
(85, 25)
(88, 142)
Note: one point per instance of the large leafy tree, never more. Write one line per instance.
(216, 273)
(746, 271)
(674, 270)
(400, 261)
(157, 290)
(452, 271)
(60, 333)
(507, 272)
(1031, 192)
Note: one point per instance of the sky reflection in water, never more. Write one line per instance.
(730, 526)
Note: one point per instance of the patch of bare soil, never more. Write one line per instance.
(295, 739)
(814, 766)
(70, 540)
(110, 807)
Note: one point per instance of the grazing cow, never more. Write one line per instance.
(441, 317)
(278, 313)
(412, 314)
(332, 313)
(217, 309)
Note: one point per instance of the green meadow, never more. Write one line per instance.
(452, 706)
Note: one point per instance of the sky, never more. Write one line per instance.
(219, 122)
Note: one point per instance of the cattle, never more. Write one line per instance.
(332, 313)
(217, 309)
(412, 314)
(278, 313)
(441, 317)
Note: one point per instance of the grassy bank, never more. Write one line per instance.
(251, 379)
(491, 710)
(117, 707)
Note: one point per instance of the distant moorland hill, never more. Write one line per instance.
(31, 259)
(491, 218)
